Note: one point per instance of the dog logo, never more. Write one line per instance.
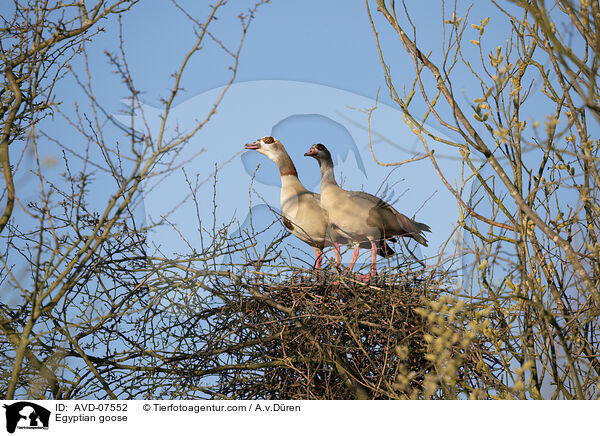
(26, 415)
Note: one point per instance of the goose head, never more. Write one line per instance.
(268, 146)
(319, 152)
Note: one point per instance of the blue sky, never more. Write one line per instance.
(324, 42)
(298, 46)
(296, 63)
(300, 59)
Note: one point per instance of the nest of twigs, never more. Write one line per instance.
(322, 335)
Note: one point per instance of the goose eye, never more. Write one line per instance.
(320, 147)
(268, 140)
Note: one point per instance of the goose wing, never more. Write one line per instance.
(389, 220)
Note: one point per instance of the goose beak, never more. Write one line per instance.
(253, 145)
(310, 152)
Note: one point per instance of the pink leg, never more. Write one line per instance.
(353, 258)
(318, 256)
(373, 258)
(338, 257)
(373, 272)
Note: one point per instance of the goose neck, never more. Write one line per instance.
(286, 166)
(327, 175)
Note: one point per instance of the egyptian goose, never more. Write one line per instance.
(362, 217)
(301, 210)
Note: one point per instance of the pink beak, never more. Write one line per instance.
(253, 145)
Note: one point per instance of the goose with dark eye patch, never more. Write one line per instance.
(361, 217)
(301, 209)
